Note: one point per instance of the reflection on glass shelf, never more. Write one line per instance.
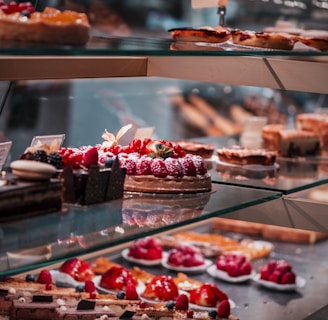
(81, 230)
(288, 175)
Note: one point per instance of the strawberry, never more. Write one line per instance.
(89, 286)
(90, 157)
(131, 292)
(44, 277)
(182, 302)
(223, 310)
(84, 271)
(153, 254)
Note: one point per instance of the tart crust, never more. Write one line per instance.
(169, 184)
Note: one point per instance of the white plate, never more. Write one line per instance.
(300, 283)
(202, 308)
(144, 262)
(64, 280)
(219, 274)
(196, 269)
(140, 287)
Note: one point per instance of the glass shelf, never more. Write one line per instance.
(37, 241)
(139, 46)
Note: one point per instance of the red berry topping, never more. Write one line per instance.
(90, 157)
(117, 278)
(223, 310)
(185, 255)
(79, 270)
(89, 286)
(278, 271)
(174, 167)
(208, 295)
(182, 302)
(143, 166)
(48, 286)
(234, 264)
(190, 313)
(44, 277)
(158, 168)
(188, 166)
(161, 288)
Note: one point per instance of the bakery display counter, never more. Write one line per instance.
(122, 57)
(253, 301)
(35, 241)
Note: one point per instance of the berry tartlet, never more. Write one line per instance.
(186, 258)
(279, 275)
(145, 251)
(232, 268)
(160, 288)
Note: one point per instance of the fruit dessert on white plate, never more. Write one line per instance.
(232, 268)
(279, 275)
(185, 258)
(146, 251)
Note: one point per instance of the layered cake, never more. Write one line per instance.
(19, 197)
(291, 142)
(316, 123)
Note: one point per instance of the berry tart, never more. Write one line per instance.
(20, 22)
(145, 251)
(186, 258)
(115, 279)
(207, 296)
(159, 289)
(232, 268)
(279, 275)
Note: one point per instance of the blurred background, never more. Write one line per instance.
(83, 109)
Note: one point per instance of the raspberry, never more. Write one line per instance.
(199, 164)
(275, 276)
(182, 302)
(44, 277)
(89, 286)
(288, 278)
(174, 167)
(188, 166)
(90, 157)
(245, 268)
(129, 164)
(223, 309)
(265, 273)
(41, 156)
(190, 313)
(131, 292)
(232, 269)
(143, 166)
(158, 168)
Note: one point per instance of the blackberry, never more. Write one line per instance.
(120, 295)
(56, 160)
(212, 313)
(170, 304)
(40, 155)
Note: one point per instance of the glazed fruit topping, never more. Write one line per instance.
(131, 292)
(162, 288)
(13, 7)
(148, 248)
(117, 278)
(208, 295)
(235, 265)
(79, 270)
(185, 256)
(278, 271)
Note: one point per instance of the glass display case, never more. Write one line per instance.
(42, 76)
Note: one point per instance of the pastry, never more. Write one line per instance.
(203, 34)
(49, 26)
(204, 150)
(244, 156)
(316, 123)
(280, 41)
